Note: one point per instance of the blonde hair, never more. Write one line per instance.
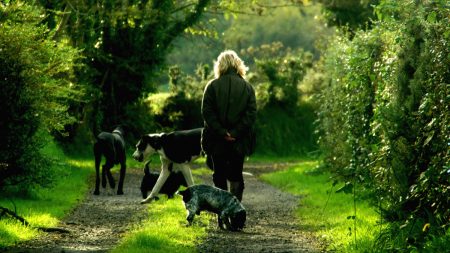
(226, 60)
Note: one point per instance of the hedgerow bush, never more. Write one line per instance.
(36, 81)
(384, 116)
(284, 124)
(180, 107)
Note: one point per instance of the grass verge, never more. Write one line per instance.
(45, 207)
(329, 215)
(165, 229)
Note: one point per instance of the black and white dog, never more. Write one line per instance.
(178, 147)
(112, 147)
(229, 209)
(173, 182)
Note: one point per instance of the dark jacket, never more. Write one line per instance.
(229, 105)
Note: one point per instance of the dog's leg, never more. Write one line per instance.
(186, 170)
(98, 159)
(223, 216)
(219, 222)
(192, 208)
(190, 216)
(107, 170)
(160, 182)
(123, 168)
(104, 176)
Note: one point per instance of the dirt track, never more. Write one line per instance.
(97, 224)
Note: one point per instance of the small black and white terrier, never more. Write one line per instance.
(170, 187)
(201, 197)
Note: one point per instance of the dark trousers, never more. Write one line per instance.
(227, 165)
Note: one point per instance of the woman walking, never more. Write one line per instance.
(229, 113)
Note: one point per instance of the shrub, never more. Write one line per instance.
(35, 82)
(383, 116)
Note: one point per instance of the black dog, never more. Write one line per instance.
(112, 147)
(170, 187)
(230, 211)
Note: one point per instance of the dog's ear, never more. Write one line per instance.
(153, 140)
(121, 128)
(142, 143)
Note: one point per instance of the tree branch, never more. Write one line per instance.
(4, 212)
(180, 26)
(182, 7)
(62, 24)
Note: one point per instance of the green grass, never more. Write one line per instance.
(46, 207)
(268, 159)
(327, 215)
(165, 230)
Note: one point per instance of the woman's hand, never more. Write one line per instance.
(229, 138)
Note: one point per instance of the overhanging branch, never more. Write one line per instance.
(191, 19)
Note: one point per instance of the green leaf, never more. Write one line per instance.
(447, 34)
(431, 17)
(428, 138)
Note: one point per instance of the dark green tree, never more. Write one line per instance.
(124, 44)
(352, 13)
